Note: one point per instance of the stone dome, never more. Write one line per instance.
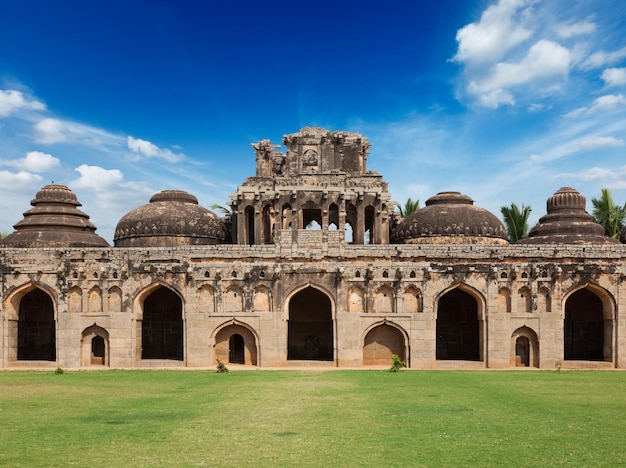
(450, 218)
(567, 222)
(172, 218)
(54, 221)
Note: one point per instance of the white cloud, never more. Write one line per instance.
(35, 161)
(600, 142)
(96, 178)
(601, 104)
(614, 77)
(545, 59)
(575, 29)
(500, 28)
(12, 100)
(50, 131)
(151, 150)
(602, 58)
(22, 181)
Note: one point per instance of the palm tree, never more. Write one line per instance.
(608, 214)
(410, 206)
(221, 208)
(516, 221)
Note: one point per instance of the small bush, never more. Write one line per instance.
(59, 371)
(221, 367)
(396, 363)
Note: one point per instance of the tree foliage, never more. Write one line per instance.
(608, 214)
(410, 206)
(516, 221)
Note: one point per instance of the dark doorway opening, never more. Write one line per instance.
(98, 349)
(162, 326)
(310, 331)
(458, 327)
(36, 339)
(236, 350)
(584, 327)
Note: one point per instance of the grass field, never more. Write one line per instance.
(297, 418)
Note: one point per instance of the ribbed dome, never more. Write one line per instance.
(172, 218)
(55, 221)
(450, 218)
(567, 222)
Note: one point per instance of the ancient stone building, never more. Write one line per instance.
(310, 268)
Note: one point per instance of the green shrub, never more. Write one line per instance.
(396, 363)
(221, 367)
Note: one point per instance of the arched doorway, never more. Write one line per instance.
(458, 328)
(310, 331)
(522, 351)
(236, 353)
(382, 342)
(585, 330)
(162, 326)
(36, 336)
(236, 344)
(95, 344)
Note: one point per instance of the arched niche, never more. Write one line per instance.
(356, 299)
(95, 346)
(524, 348)
(236, 343)
(384, 300)
(381, 342)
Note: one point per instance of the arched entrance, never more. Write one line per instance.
(382, 342)
(585, 330)
(95, 344)
(162, 326)
(36, 336)
(524, 348)
(236, 344)
(310, 331)
(458, 329)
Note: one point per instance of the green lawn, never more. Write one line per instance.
(297, 418)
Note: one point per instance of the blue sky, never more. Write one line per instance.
(504, 100)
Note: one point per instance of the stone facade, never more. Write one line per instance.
(309, 277)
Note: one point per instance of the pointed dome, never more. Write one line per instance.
(567, 222)
(55, 221)
(450, 218)
(172, 218)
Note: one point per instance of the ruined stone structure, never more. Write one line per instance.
(310, 268)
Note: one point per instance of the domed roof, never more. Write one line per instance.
(567, 222)
(172, 218)
(451, 218)
(55, 221)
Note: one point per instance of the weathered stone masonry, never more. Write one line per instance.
(451, 294)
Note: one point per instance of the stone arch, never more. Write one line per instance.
(524, 300)
(351, 223)
(333, 217)
(311, 215)
(411, 300)
(236, 343)
(75, 300)
(588, 324)
(383, 302)
(524, 348)
(544, 302)
(459, 328)
(381, 342)
(31, 324)
(310, 331)
(160, 325)
(286, 213)
(94, 346)
(262, 299)
(249, 225)
(369, 234)
(94, 300)
(115, 299)
(233, 299)
(206, 299)
(504, 300)
(267, 224)
(356, 299)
